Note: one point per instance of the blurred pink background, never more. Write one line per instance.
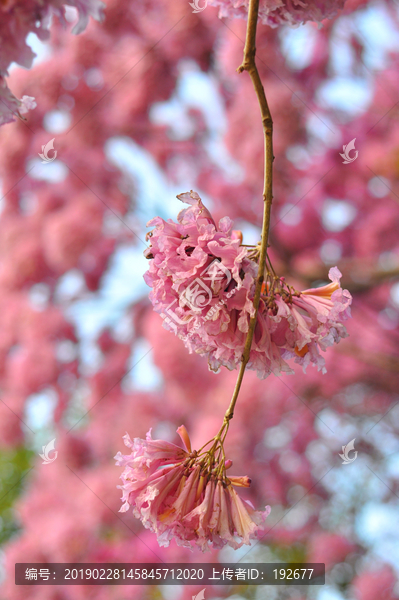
(142, 107)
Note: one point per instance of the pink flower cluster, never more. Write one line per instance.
(281, 12)
(17, 20)
(203, 284)
(176, 497)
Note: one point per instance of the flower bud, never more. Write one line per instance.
(243, 481)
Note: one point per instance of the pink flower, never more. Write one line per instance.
(313, 321)
(10, 106)
(203, 284)
(18, 19)
(281, 12)
(27, 103)
(147, 455)
(189, 498)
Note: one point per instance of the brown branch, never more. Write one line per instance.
(249, 65)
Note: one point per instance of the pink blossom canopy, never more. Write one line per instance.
(281, 12)
(17, 20)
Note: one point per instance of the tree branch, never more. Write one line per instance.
(249, 65)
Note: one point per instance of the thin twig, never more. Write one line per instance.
(249, 65)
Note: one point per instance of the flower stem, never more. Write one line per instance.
(249, 65)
